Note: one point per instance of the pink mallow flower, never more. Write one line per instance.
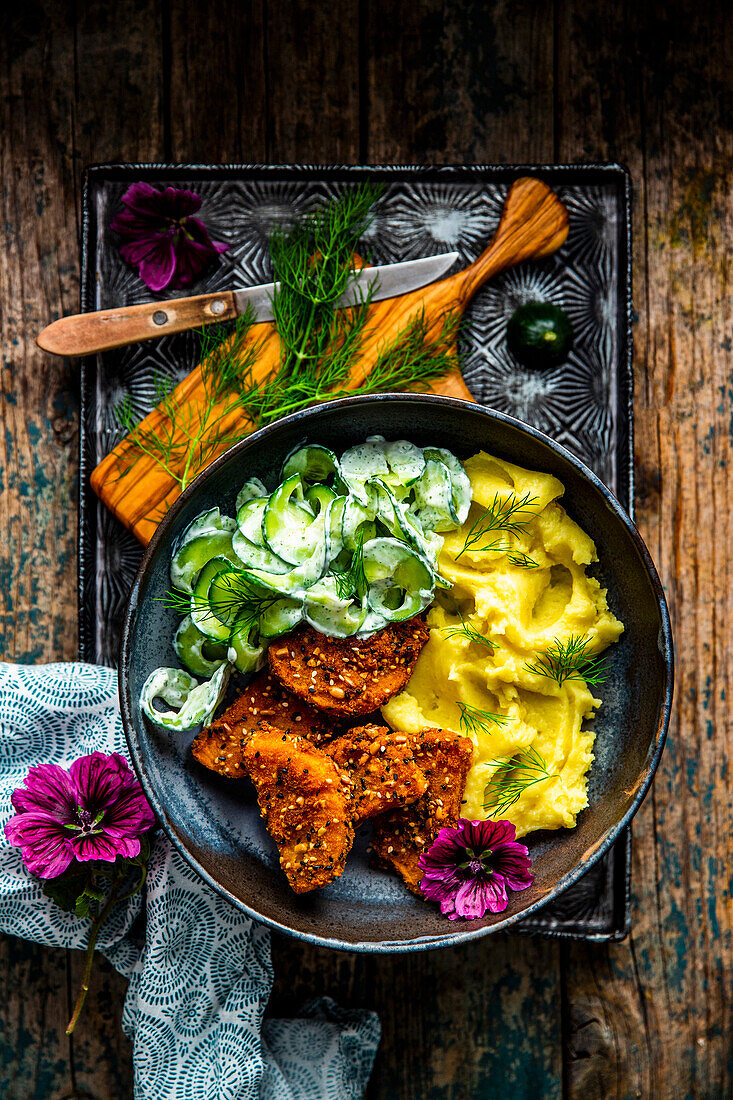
(161, 237)
(469, 867)
(95, 810)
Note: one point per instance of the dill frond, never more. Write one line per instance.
(512, 778)
(189, 435)
(351, 583)
(473, 720)
(465, 630)
(244, 605)
(510, 514)
(313, 267)
(569, 661)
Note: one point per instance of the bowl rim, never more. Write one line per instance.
(665, 643)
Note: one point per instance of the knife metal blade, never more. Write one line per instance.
(87, 333)
(391, 280)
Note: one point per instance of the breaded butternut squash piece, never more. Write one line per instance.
(305, 800)
(401, 836)
(348, 676)
(382, 766)
(220, 746)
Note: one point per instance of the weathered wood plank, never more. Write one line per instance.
(38, 279)
(217, 82)
(482, 1020)
(312, 59)
(652, 1017)
(458, 83)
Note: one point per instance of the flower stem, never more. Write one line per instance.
(94, 933)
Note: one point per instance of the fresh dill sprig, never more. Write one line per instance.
(569, 661)
(512, 778)
(509, 514)
(243, 607)
(465, 630)
(412, 359)
(313, 267)
(190, 434)
(351, 583)
(474, 720)
(521, 560)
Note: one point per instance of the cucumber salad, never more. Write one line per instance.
(347, 544)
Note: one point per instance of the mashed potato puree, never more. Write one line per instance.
(524, 611)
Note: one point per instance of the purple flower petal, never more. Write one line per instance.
(99, 797)
(47, 788)
(172, 203)
(161, 237)
(469, 867)
(514, 866)
(158, 268)
(45, 845)
(98, 778)
(95, 846)
(478, 894)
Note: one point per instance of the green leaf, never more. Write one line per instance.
(66, 889)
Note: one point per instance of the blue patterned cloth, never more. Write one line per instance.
(200, 971)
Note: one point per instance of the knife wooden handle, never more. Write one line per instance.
(87, 333)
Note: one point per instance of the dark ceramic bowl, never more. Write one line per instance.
(215, 823)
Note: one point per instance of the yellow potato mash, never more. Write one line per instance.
(524, 612)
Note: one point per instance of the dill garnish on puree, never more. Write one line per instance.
(512, 661)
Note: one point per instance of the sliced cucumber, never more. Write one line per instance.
(406, 462)
(357, 523)
(462, 491)
(325, 610)
(201, 613)
(295, 582)
(244, 652)
(372, 623)
(195, 703)
(334, 536)
(205, 523)
(401, 582)
(258, 557)
(248, 542)
(360, 463)
(319, 497)
(199, 654)
(313, 462)
(280, 617)
(288, 523)
(251, 490)
(229, 589)
(434, 498)
(249, 520)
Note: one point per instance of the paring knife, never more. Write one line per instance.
(86, 333)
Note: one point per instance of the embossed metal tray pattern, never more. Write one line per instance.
(585, 404)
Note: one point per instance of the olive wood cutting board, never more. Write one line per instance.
(533, 225)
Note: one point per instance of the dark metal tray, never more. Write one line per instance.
(586, 404)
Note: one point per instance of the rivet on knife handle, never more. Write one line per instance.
(86, 333)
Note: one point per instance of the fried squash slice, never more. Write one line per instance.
(401, 836)
(382, 766)
(306, 801)
(220, 747)
(348, 676)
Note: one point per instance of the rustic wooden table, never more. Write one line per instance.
(380, 81)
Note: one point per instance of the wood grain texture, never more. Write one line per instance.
(652, 1017)
(467, 81)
